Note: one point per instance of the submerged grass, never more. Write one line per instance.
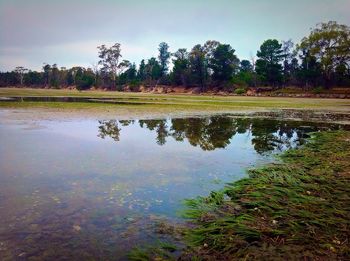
(297, 209)
(160, 251)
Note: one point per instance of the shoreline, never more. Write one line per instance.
(38, 114)
(295, 208)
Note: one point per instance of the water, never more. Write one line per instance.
(83, 189)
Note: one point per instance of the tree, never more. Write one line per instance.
(47, 73)
(54, 81)
(84, 79)
(329, 43)
(141, 74)
(224, 63)
(164, 56)
(209, 47)
(181, 65)
(310, 70)
(198, 66)
(20, 71)
(129, 75)
(246, 75)
(268, 65)
(153, 70)
(289, 62)
(110, 60)
(245, 66)
(33, 78)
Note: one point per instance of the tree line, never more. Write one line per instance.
(321, 59)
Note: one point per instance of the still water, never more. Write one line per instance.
(84, 189)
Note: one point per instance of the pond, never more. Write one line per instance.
(84, 189)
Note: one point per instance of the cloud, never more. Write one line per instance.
(67, 32)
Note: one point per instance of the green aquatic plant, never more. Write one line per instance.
(162, 250)
(295, 209)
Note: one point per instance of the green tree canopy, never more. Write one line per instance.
(224, 63)
(268, 65)
(164, 56)
(329, 43)
(181, 65)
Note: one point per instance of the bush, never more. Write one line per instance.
(318, 90)
(85, 82)
(240, 91)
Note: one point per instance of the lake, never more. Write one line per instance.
(85, 189)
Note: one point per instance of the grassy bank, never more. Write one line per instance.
(297, 209)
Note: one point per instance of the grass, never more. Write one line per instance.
(171, 102)
(297, 209)
(161, 251)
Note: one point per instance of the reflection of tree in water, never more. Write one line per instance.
(216, 132)
(207, 133)
(126, 122)
(109, 128)
(269, 135)
(160, 127)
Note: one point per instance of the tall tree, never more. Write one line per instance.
(309, 72)
(164, 56)
(110, 60)
(329, 43)
(224, 63)
(198, 66)
(47, 73)
(153, 70)
(181, 64)
(268, 65)
(20, 71)
(55, 77)
(288, 55)
(141, 74)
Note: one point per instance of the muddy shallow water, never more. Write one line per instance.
(87, 189)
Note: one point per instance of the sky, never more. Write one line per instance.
(67, 32)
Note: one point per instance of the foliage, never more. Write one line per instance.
(240, 91)
(110, 60)
(223, 63)
(318, 90)
(329, 43)
(164, 56)
(268, 65)
(153, 71)
(84, 79)
(297, 209)
(199, 66)
(180, 74)
(20, 70)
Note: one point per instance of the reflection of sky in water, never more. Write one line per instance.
(66, 178)
(68, 156)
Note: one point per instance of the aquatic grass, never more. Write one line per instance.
(161, 250)
(296, 209)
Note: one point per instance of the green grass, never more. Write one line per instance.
(295, 210)
(170, 102)
(160, 251)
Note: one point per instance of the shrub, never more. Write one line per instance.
(318, 90)
(240, 91)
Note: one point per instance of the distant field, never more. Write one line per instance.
(148, 103)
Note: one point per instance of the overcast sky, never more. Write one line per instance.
(67, 32)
